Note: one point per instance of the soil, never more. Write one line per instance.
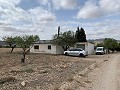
(106, 76)
(40, 71)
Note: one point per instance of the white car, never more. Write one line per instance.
(76, 52)
(100, 50)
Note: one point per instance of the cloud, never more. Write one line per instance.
(39, 15)
(16, 21)
(43, 2)
(96, 9)
(64, 4)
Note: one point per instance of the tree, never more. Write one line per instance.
(118, 48)
(23, 42)
(65, 39)
(11, 41)
(80, 35)
(100, 45)
(110, 44)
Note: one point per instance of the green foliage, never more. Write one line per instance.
(110, 44)
(21, 41)
(118, 48)
(64, 39)
(80, 35)
(100, 45)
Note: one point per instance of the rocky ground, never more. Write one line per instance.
(41, 71)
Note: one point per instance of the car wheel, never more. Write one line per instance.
(66, 54)
(81, 55)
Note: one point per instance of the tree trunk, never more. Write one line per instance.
(12, 49)
(23, 59)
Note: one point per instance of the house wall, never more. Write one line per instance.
(43, 48)
(89, 47)
(59, 50)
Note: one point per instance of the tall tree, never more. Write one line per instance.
(80, 35)
(65, 39)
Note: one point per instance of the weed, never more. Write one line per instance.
(7, 79)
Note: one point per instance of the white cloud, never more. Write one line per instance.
(43, 2)
(39, 15)
(16, 21)
(64, 4)
(110, 5)
(95, 9)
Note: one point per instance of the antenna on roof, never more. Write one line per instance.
(58, 31)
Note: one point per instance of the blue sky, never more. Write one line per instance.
(99, 18)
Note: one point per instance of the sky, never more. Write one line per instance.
(99, 18)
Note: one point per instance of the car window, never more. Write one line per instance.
(78, 50)
(99, 49)
(72, 49)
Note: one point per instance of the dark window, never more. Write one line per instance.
(78, 50)
(72, 49)
(36, 47)
(49, 47)
(80, 46)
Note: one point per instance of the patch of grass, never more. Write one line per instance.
(43, 71)
(96, 66)
(56, 88)
(70, 79)
(87, 81)
(105, 60)
(82, 75)
(7, 79)
(81, 83)
(27, 69)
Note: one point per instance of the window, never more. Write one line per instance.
(49, 47)
(36, 47)
(78, 50)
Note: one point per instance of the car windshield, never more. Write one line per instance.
(99, 49)
(72, 50)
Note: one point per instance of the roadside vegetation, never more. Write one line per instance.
(110, 44)
(23, 42)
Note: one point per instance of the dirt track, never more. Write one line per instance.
(106, 76)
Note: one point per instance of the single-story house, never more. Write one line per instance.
(46, 46)
(3, 44)
(88, 47)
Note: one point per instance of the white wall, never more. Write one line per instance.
(89, 47)
(59, 50)
(43, 48)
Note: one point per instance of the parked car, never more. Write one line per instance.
(100, 50)
(76, 52)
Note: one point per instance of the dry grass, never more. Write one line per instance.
(7, 79)
(39, 69)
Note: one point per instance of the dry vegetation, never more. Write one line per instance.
(41, 71)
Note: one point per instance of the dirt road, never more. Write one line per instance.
(106, 76)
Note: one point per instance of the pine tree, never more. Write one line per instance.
(80, 35)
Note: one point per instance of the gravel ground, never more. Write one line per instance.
(105, 76)
(41, 71)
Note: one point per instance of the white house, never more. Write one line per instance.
(46, 46)
(88, 47)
